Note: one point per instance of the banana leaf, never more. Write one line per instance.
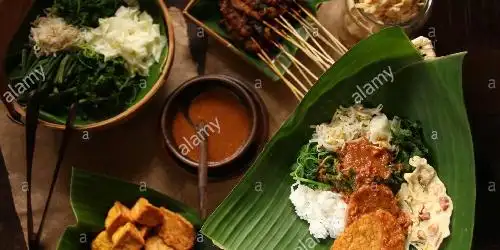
(93, 195)
(206, 14)
(21, 40)
(258, 214)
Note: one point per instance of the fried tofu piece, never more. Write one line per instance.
(146, 214)
(144, 231)
(102, 242)
(127, 238)
(156, 243)
(176, 231)
(118, 216)
(377, 230)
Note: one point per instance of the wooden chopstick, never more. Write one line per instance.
(62, 150)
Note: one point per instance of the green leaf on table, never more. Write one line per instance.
(425, 91)
(93, 195)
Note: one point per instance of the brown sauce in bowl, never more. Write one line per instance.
(227, 126)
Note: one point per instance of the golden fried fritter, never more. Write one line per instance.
(378, 230)
(176, 231)
(118, 216)
(146, 214)
(369, 198)
(102, 242)
(127, 238)
(156, 243)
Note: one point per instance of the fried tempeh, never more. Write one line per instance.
(146, 214)
(127, 237)
(102, 242)
(118, 216)
(176, 231)
(156, 243)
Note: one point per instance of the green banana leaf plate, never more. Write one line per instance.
(206, 14)
(93, 195)
(258, 214)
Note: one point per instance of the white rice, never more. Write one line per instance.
(325, 211)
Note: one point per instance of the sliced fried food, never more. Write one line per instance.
(102, 242)
(118, 216)
(156, 243)
(369, 198)
(146, 214)
(176, 231)
(377, 230)
(144, 231)
(127, 237)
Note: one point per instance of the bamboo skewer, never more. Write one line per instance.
(317, 60)
(293, 59)
(286, 70)
(311, 28)
(304, 75)
(294, 89)
(335, 40)
(290, 29)
(293, 76)
(313, 49)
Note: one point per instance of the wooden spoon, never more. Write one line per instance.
(203, 162)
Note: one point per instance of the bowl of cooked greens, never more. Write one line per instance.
(109, 57)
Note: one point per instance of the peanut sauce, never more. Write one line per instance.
(227, 125)
(367, 160)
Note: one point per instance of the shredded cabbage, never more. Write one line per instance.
(131, 35)
(347, 124)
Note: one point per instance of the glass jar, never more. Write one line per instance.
(360, 25)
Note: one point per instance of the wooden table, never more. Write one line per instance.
(134, 151)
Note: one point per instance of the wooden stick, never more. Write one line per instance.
(287, 71)
(327, 56)
(269, 63)
(312, 36)
(294, 89)
(316, 60)
(292, 30)
(293, 77)
(292, 58)
(300, 70)
(297, 17)
(303, 75)
(334, 39)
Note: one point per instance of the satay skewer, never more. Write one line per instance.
(333, 38)
(298, 63)
(314, 58)
(292, 30)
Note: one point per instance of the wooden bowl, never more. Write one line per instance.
(165, 66)
(190, 90)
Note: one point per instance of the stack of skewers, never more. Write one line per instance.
(262, 26)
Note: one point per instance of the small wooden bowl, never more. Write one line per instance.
(190, 90)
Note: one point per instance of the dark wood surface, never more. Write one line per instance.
(472, 25)
(458, 25)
